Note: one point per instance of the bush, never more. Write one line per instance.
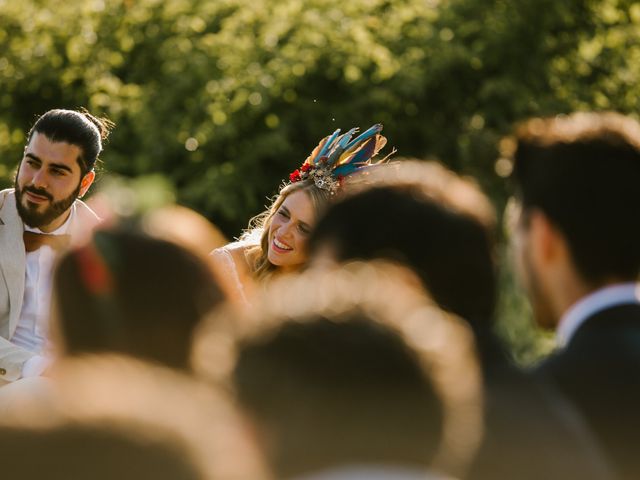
(226, 97)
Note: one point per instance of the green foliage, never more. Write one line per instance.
(226, 97)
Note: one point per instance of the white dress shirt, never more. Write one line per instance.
(607, 297)
(372, 472)
(33, 325)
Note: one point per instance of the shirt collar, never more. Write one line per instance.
(619, 294)
(62, 229)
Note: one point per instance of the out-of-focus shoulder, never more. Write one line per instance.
(230, 261)
(231, 252)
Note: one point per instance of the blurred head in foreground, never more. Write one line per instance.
(130, 293)
(83, 450)
(184, 226)
(351, 367)
(428, 218)
(114, 417)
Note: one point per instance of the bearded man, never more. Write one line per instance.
(38, 218)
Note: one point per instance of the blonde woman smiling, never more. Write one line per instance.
(276, 240)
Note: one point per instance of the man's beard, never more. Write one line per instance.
(35, 219)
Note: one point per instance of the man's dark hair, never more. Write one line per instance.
(129, 293)
(352, 385)
(583, 172)
(78, 128)
(99, 452)
(437, 224)
(351, 366)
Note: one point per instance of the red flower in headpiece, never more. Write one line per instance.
(295, 176)
(306, 167)
(93, 270)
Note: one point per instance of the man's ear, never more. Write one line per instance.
(547, 242)
(86, 182)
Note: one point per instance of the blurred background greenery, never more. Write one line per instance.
(222, 98)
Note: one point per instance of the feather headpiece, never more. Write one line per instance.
(338, 156)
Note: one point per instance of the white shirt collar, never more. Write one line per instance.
(620, 294)
(371, 472)
(62, 229)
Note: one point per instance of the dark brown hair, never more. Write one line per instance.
(427, 217)
(133, 294)
(78, 128)
(583, 172)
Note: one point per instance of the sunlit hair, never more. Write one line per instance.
(184, 226)
(256, 255)
(147, 403)
(431, 179)
(341, 301)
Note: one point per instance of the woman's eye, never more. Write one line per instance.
(282, 213)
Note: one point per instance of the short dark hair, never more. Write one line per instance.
(355, 377)
(126, 418)
(129, 293)
(438, 224)
(78, 128)
(583, 172)
(98, 451)
(350, 365)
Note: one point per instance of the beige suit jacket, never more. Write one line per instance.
(12, 276)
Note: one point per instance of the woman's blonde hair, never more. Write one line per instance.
(256, 255)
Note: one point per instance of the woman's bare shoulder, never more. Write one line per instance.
(235, 250)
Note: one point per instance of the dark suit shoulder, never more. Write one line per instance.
(532, 432)
(599, 372)
(610, 339)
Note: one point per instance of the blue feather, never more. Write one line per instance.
(347, 169)
(341, 145)
(346, 138)
(327, 146)
(377, 128)
(366, 151)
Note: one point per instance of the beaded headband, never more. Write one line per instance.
(338, 156)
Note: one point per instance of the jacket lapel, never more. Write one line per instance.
(12, 255)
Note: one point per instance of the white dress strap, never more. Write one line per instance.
(230, 269)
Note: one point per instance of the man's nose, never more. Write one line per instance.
(39, 179)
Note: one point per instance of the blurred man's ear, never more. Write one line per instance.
(548, 244)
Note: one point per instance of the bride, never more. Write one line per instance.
(275, 241)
